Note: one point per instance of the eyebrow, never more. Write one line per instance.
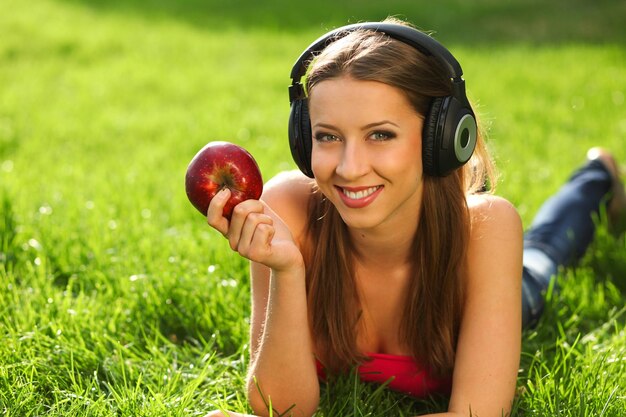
(367, 126)
(382, 122)
(324, 125)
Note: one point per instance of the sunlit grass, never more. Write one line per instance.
(117, 299)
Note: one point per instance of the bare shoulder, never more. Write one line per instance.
(288, 187)
(288, 194)
(493, 216)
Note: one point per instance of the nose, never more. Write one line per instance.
(354, 161)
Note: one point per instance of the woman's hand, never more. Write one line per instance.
(256, 232)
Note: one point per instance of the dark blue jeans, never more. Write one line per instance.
(560, 233)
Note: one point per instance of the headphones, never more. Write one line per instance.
(449, 132)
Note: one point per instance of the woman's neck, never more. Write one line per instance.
(387, 248)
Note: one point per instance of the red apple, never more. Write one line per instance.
(222, 165)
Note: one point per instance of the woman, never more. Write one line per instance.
(391, 259)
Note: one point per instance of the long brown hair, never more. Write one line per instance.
(434, 301)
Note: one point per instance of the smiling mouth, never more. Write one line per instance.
(357, 195)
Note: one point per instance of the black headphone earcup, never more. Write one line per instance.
(448, 137)
(300, 141)
(429, 138)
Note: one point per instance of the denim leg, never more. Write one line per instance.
(560, 233)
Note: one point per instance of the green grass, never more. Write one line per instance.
(117, 299)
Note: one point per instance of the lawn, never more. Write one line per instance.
(117, 299)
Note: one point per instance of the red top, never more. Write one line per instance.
(406, 375)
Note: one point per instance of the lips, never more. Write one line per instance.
(358, 197)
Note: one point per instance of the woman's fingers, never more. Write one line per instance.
(253, 231)
(256, 224)
(246, 216)
(215, 217)
(241, 213)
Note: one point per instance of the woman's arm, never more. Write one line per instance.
(488, 349)
(281, 360)
(282, 364)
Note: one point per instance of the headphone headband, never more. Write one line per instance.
(418, 40)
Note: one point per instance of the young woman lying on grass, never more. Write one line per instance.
(388, 252)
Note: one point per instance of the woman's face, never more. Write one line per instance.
(367, 152)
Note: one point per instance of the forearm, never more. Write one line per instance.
(283, 365)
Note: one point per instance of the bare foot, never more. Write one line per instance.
(617, 205)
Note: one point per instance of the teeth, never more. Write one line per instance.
(359, 194)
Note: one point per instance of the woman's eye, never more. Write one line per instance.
(326, 137)
(380, 136)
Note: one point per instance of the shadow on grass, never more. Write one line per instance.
(478, 22)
